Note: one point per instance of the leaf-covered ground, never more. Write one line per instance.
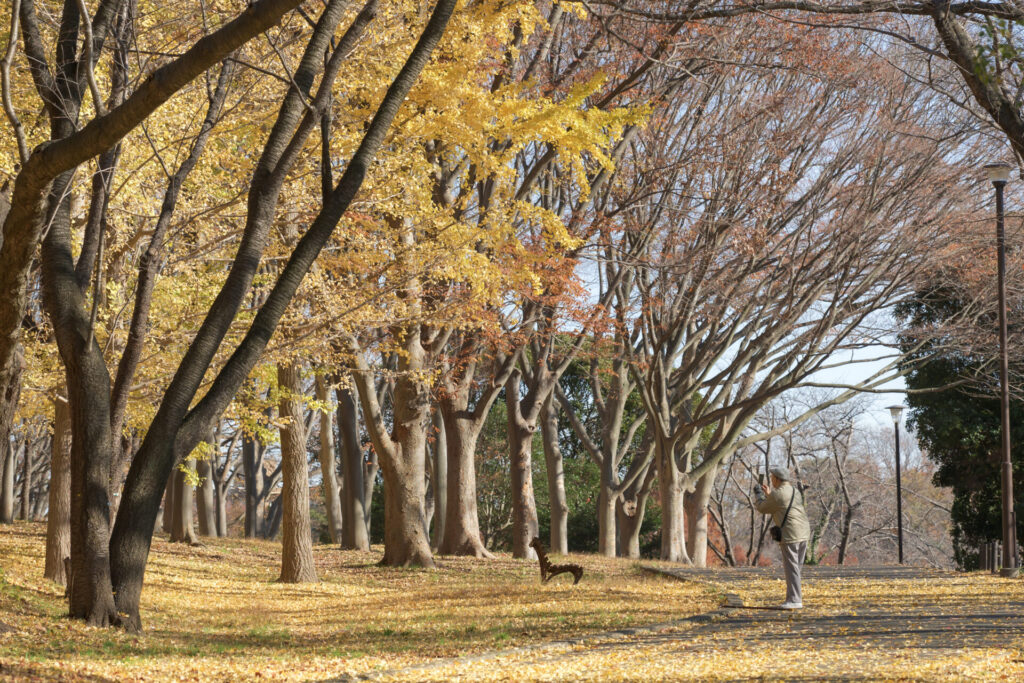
(216, 613)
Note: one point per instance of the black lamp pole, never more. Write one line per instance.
(897, 413)
(998, 175)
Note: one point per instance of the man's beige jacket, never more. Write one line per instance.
(797, 528)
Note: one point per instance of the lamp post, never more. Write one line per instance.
(998, 175)
(897, 414)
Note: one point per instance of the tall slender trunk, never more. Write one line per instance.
(328, 466)
(220, 494)
(296, 538)
(524, 505)
(440, 477)
(7, 489)
(26, 481)
(58, 519)
(182, 521)
(559, 508)
(252, 466)
(205, 501)
(354, 528)
(696, 506)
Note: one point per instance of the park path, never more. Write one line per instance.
(860, 623)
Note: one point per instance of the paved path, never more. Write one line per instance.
(873, 619)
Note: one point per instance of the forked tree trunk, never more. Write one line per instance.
(328, 467)
(696, 506)
(58, 519)
(673, 547)
(524, 505)
(296, 538)
(355, 507)
(182, 521)
(462, 520)
(629, 513)
(559, 539)
(405, 540)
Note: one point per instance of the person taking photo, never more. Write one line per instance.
(786, 506)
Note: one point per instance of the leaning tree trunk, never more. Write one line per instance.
(167, 518)
(696, 506)
(355, 508)
(462, 520)
(182, 526)
(296, 538)
(58, 519)
(556, 477)
(328, 468)
(524, 505)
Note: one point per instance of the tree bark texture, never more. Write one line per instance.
(524, 505)
(556, 477)
(252, 465)
(695, 505)
(58, 519)
(296, 538)
(439, 477)
(206, 501)
(462, 520)
(673, 546)
(354, 528)
(182, 520)
(7, 486)
(328, 464)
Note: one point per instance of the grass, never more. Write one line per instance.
(216, 612)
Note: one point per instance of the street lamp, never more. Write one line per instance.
(998, 175)
(897, 414)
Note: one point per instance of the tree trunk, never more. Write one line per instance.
(696, 506)
(328, 466)
(58, 519)
(7, 490)
(167, 518)
(182, 526)
(629, 512)
(670, 489)
(252, 465)
(405, 541)
(354, 528)
(844, 539)
(205, 505)
(220, 495)
(10, 391)
(462, 520)
(296, 538)
(26, 481)
(524, 505)
(439, 482)
(559, 508)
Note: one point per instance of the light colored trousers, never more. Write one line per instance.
(792, 560)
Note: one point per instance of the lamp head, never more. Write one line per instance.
(998, 173)
(897, 413)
